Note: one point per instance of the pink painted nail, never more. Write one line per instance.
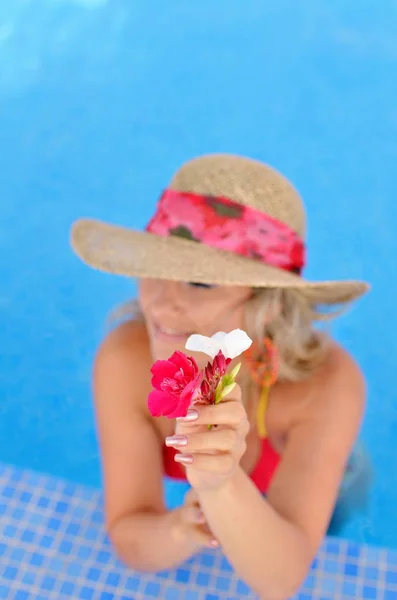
(176, 440)
(214, 543)
(185, 459)
(191, 415)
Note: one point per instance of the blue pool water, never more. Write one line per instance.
(101, 100)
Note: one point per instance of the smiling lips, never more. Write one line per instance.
(169, 334)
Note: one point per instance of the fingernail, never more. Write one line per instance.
(185, 459)
(191, 415)
(214, 543)
(176, 440)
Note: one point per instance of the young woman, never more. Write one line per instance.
(224, 250)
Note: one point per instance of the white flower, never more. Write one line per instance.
(230, 344)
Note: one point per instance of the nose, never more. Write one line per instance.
(167, 299)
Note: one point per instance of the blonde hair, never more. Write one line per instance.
(286, 316)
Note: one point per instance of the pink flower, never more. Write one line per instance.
(176, 383)
(213, 373)
(220, 364)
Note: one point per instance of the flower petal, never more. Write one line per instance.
(229, 388)
(161, 369)
(202, 343)
(235, 371)
(161, 404)
(235, 343)
(182, 405)
(219, 336)
(186, 363)
(193, 385)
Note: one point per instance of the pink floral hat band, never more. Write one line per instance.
(227, 225)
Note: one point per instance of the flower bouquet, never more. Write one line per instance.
(178, 383)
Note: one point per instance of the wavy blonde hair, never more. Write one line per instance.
(286, 316)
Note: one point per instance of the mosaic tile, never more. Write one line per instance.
(53, 547)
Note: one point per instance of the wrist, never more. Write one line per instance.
(225, 488)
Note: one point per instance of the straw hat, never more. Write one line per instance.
(246, 183)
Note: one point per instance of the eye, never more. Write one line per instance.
(205, 286)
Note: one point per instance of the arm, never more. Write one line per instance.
(271, 543)
(269, 552)
(144, 534)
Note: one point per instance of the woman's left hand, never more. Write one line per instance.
(211, 456)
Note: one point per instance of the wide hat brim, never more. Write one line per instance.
(131, 253)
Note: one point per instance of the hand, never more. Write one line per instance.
(192, 523)
(211, 456)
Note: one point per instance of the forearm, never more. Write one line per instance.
(151, 541)
(266, 551)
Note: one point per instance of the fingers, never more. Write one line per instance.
(199, 533)
(218, 440)
(194, 522)
(204, 537)
(228, 412)
(221, 464)
(211, 454)
(194, 515)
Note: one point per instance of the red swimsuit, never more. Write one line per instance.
(261, 475)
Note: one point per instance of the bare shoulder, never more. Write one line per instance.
(121, 383)
(339, 360)
(319, 437)
(339, 381)
(122, 358)
(335, 391)
(330, 402)
(126, 340)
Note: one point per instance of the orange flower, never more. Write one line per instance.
(264, 371)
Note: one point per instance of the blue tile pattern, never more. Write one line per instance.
(53, 547)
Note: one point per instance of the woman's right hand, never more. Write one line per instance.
(192, 524)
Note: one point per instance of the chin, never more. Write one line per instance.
(161, 351)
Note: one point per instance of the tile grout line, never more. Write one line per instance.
(92, 536)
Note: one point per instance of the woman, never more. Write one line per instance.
(224, 250)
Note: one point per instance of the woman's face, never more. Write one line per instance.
(174, 310)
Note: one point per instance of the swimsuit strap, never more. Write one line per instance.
(261, 412)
